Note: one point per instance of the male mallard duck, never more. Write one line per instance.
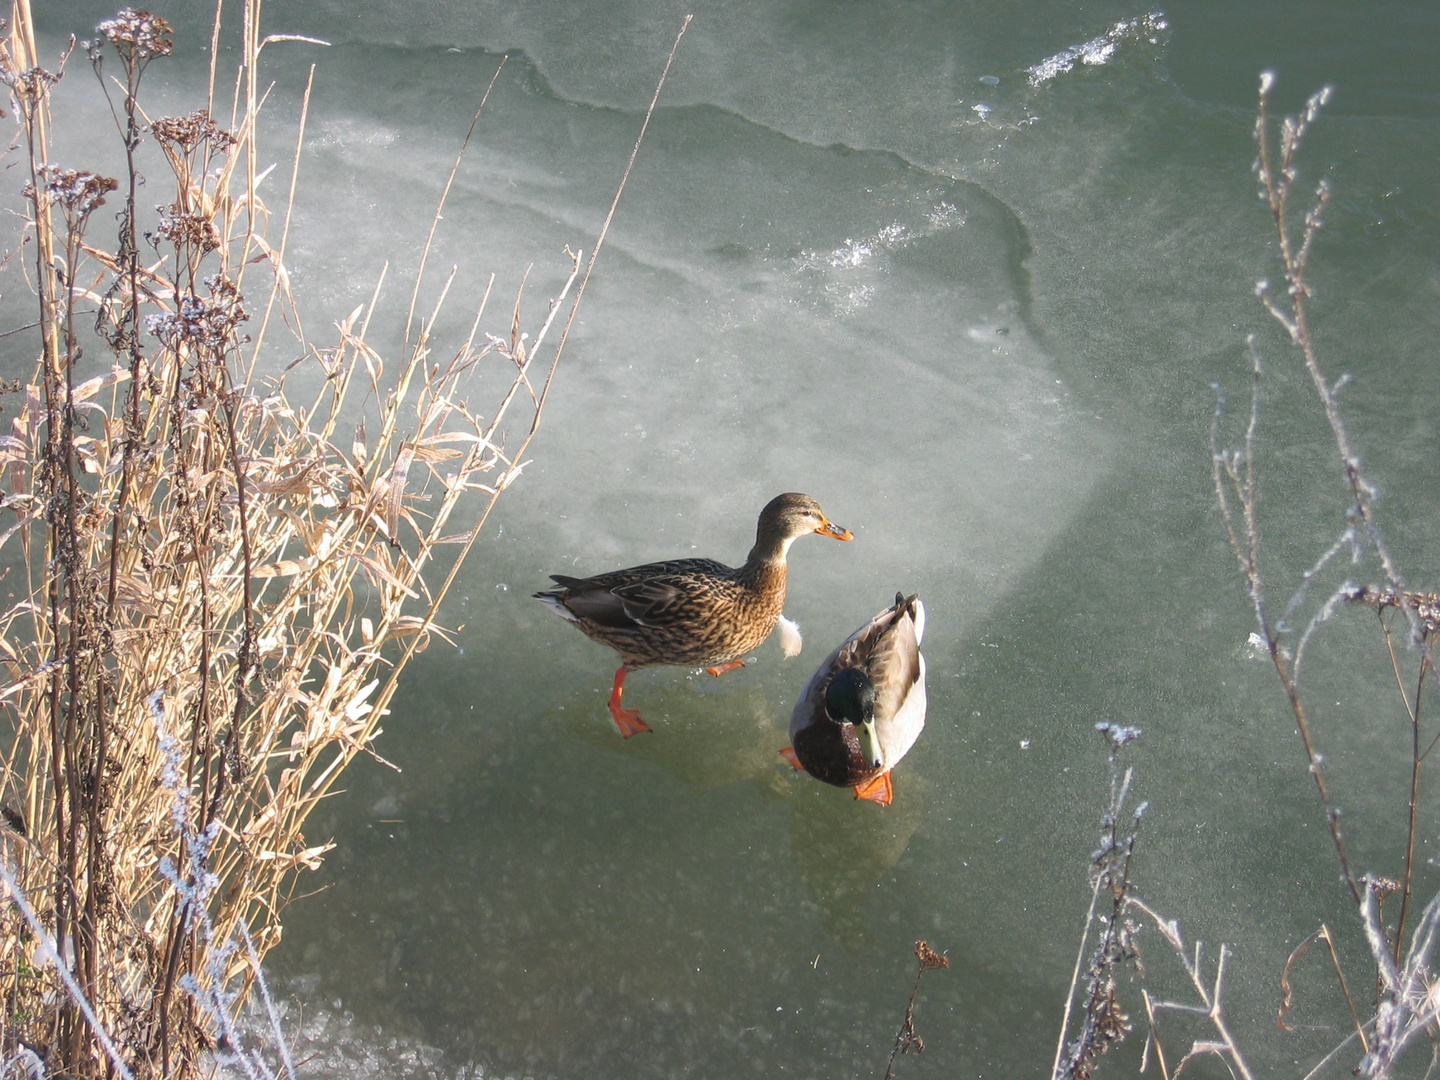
(864, 707)
(690, 612)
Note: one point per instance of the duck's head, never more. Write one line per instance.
(850, 699)
(791, 515)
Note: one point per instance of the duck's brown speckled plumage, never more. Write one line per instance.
(690, 612)
(887, 651)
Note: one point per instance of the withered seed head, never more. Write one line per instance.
(75, 190)
(186, 133)
(203, 322)
(137, 35)
(28, 85)
(187, 229)
(928, 957)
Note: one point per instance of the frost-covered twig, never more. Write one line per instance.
(49, 953)
(1410, 994)
(1405, 975)
(1102, 1024)
(1211, 997)
(217, 1002)
(1233, 472)
(1277, 179)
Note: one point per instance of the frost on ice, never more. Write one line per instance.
(1099, 50)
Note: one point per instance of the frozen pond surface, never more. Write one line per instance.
(965, 274)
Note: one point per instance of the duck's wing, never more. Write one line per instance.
(655, 594)
(893, 661)
(897, 668)
(810, 705)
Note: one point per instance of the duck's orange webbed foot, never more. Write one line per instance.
(721, 669)
(877, 789)
(627, 720)
(789, 755)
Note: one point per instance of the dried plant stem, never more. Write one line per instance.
(1234, 476)
(1287, 993)
(1211, 997)
(1102, 1025)
(1277, 178)
(906, 1039)
(280, 281)
(609, 217)
(1069, 1009)
(1152, 1037)
(1417, 760)
(445, 195)
(1233, 473)
(48, 950)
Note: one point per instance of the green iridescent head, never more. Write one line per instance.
(850, 699)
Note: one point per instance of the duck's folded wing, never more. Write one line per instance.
(655, 594)
(649, 600)
(859, 649)
(893, 659)
(895, 667)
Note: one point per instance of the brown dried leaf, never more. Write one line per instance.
(284, 568)
(381, 573)
(1287, 992)
(357, 445)
(310, 858)
(397, 490)
(90, 387)
(430, 454)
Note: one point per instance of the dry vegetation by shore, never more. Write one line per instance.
(212, 581)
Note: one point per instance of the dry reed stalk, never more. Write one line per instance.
(214, 587)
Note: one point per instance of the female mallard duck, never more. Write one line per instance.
(864, 707)
(690, 612)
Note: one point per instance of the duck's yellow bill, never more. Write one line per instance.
(829, 528)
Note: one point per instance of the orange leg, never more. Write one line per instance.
(789, 755)
(721, 669)
(627, 720)
(877, 789)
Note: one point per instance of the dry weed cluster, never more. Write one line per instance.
(211, 583)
